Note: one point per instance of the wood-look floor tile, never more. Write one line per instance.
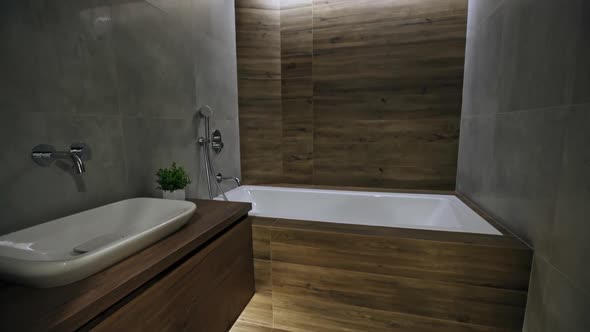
(240, 326)
(302, 314)
(262, 273)
(258, 312)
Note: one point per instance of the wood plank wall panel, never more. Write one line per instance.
(370, 94)
(332, 277)
(297, 90)
(453, 302)
(259, 89)
(387, 92)
(445, 262)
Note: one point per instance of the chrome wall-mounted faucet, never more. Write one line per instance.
(44, 155)
(221, 178)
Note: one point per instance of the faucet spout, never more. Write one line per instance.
(78, 163)
(238, 182)
(221, 178)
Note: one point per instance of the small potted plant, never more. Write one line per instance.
(173, 181)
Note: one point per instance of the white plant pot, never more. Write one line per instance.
(178, 195)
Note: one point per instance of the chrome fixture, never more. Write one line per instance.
(206, 111)
(204, 141)
(217, 141)
(44, 155)
(221, 178)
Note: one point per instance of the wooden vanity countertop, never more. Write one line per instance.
(69, 307)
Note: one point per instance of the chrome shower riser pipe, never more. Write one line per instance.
(205, 143)
(207, 171)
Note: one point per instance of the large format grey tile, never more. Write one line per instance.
(527, 160)
(22, 34)
(59, 57)
(154, 66)
(581, 93)
(529, 168)
(475, 16)
(76, 62)
(570, 250)
(566, 306)
(478, 13)
(554, 303)
(50, 77)
(87, 76)
(151, 144)
(535, 300)
(216, 78)
(537, 56)
(32, 194)
(476, 156)
(179, 9)
(212, 17)
(481, 93)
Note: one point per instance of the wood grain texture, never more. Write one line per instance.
(297, 90)
(259, 89)
(300, 314)
(258, 315)
(507, 268)
(412, 296)
(69, 307)
(206, 293)
(386, 80)
(296, 39)
(387, 92)
(334, 277)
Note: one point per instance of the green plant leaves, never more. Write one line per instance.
(173, 178)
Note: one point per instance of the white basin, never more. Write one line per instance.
(69, 249)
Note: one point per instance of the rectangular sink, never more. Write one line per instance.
(69, 249)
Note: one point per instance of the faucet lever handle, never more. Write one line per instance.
(42, 154)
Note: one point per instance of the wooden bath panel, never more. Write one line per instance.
(314, 276)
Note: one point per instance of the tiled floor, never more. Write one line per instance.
(257, 317)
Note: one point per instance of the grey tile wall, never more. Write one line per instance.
(123, 76)
(523, 152)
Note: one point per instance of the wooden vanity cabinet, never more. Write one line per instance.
(199, 278)
(206, 291)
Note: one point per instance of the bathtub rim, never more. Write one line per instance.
(485, 240)
(460, 235)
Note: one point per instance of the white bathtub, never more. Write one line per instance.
(421, 211)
